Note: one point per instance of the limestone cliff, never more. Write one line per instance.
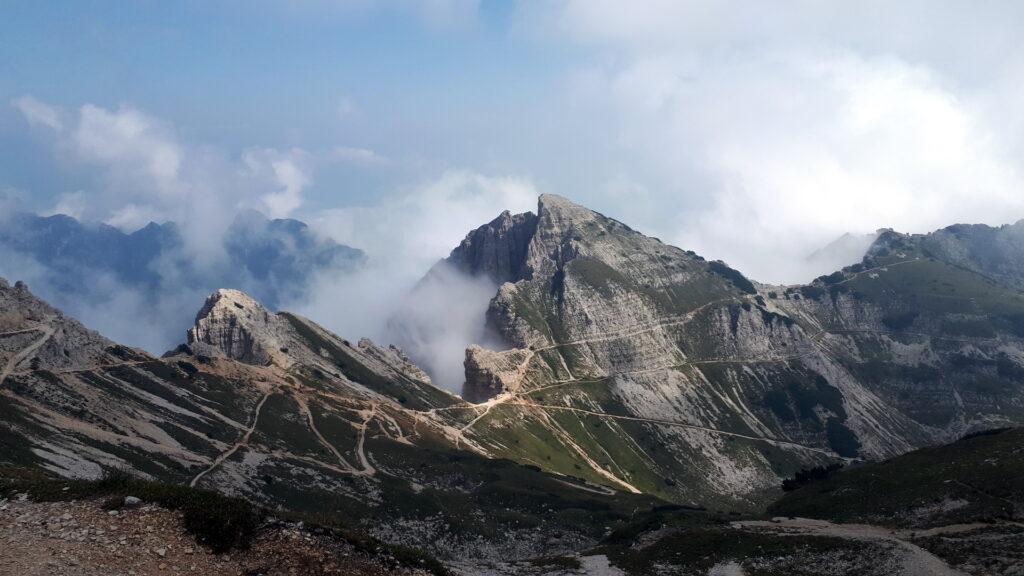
(233, 325)
(647, 367)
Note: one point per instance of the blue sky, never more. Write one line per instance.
(238, 75)
(748, 132)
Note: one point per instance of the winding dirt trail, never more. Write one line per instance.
(368, 468)
(916, 560)
(26, 352)
(243, 441)
(677, 424)
(638, 329)
(304, 407)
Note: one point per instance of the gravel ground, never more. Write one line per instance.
(83, 539)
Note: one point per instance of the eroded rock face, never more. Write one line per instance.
(498, 248)
(489, 373)
(45, 338)
(233, 325)
(645, 362)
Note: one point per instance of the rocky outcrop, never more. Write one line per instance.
(497, 249)
(490, 373)
(42, 336)
(993, 251)
(233, 325)
(395, 359)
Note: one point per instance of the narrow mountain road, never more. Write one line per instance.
(304, 407)
(243, 441)
(916, 560)
(368, 469)
(26, 352)
(677, 424)
(639, 328)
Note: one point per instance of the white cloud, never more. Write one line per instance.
(36, 112)
(403, 238)
(287, 170)
(132, 145)
(347, 108)
(791, 153)
(131, 217)
(148, 174)
(72, 204)
(759, 132)
(448, 14)
(425, 224)
(362, 156)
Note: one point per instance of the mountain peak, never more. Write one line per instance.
(234, 325)
(557, 211)
(497, 249)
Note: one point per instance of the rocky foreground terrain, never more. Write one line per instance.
(85, 539)
(643, 412)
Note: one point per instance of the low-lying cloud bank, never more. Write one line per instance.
(404, 238)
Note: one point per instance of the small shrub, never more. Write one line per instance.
(833, 278)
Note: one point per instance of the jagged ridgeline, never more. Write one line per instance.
(274, 408)
(647, 368)
(632, 373)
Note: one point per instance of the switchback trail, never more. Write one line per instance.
(304, 408)
(26, 352)
(677, 424)
(368, 469)
(243, 441)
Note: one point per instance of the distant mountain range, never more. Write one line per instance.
(90, 269)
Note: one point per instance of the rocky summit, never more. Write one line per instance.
(648, 368)
(638, 397)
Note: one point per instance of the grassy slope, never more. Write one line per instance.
(982, 474)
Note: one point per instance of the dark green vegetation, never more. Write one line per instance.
(807, 476)
(978, 478)
(734, 276)
(1000, 548)
(478, 498)
(692, 542)
(697, 550)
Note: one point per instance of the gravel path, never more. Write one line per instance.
(916, 560)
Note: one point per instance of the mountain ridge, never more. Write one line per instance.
(625, 331)
(635, 373)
